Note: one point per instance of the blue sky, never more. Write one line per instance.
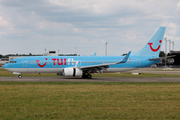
(35, 25)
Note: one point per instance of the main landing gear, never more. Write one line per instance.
(87, 75)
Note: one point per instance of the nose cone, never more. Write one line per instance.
(5, 66)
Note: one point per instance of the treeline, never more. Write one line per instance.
(161, 54)
(8, 55)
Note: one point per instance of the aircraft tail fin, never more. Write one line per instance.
(153, 46)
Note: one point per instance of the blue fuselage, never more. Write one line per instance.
(49, 62)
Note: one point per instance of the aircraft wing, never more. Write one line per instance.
(101, 66)
(161, 58)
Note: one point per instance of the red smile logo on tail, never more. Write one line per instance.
(39, 64)
(154, 50)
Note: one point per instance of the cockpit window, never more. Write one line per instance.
(12, 61)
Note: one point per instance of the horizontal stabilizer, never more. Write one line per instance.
(161, 58)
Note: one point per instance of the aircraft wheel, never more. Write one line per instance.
(19, 76)
(89, 76)
(84, 75)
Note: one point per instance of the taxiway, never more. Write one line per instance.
(95, 79)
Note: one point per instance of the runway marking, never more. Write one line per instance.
(25, 79)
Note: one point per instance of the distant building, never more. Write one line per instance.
(6, 60)
(68, 55)
(51, 53)
(176, 57)
(3, 61)
(172, 61)
(14, 57)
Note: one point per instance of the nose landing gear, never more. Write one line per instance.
(20, 76)
(17, 73)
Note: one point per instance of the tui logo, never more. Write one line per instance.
(54, 60)
(40, 64)
(154, 50)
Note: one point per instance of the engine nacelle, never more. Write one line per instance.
(72, 72)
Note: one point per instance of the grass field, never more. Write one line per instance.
(5, 73)
(89, 100)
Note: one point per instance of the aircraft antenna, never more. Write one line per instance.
(173, 45)
(106, 48)
(169, 46)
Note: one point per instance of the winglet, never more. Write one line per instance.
(125, 58)
(94, 54)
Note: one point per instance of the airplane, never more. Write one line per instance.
(83, 66)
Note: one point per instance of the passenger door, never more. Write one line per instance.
(138, 62)
(24, 62)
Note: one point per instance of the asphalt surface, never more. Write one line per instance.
(96, 79)
(106, 79)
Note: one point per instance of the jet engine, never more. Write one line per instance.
(72, 72)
